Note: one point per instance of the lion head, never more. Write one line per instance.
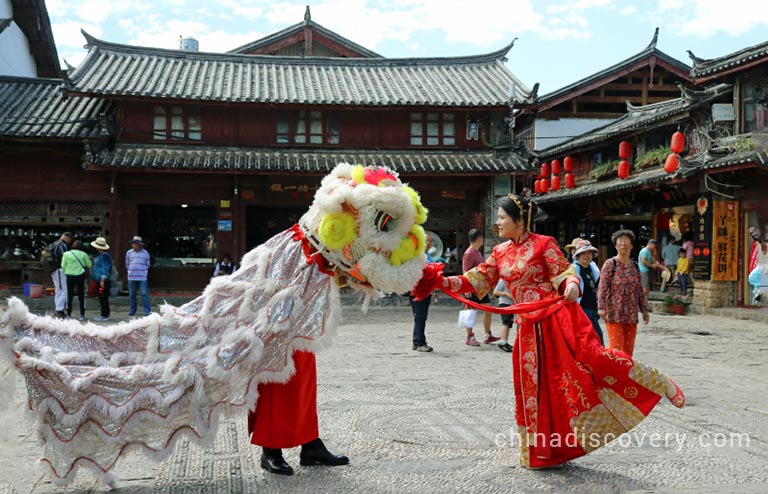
(366, 223)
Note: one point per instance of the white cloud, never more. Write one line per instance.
(628, 10)
(708, 18)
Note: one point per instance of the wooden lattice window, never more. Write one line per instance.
(176, 123)
(433, 129)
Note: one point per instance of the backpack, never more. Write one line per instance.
(48, 258)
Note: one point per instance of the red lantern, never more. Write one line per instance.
(623, 169)
(569, 181)
(625, 149)
(678, 142)
(555, 167)
(556, 182)
(568, 164)
(673, 161)
(544, 186)
(545, 169)
(536, 186)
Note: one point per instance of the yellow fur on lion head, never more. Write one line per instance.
(365, 221)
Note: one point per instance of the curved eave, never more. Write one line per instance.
(93, 43)
(627, 66)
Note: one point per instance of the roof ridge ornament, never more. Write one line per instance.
(307, 16)
(652, 45)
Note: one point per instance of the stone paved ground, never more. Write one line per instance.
(441, 421)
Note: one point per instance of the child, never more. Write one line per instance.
(505, 300)
(683, 266)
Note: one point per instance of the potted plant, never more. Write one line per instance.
(673, 304)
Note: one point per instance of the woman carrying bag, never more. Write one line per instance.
(75, 264)
(102, 270)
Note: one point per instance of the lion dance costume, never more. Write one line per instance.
(98, 391)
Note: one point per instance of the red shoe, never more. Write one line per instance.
(491, 339)
(471, 341)
(679, 399)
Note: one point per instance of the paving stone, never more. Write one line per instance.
(443, 421)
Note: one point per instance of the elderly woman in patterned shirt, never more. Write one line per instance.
(620, 295)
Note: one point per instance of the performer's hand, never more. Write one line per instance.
(646, 318)
(601, 313)
(572, 292)
(431, 280)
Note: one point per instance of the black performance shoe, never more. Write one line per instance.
(506, 347)
(275, 464)
(315, 453)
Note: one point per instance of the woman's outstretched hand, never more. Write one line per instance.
(572, 291)
(431, 280)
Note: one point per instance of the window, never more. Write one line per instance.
(755, 101)
(179, 235)
(307, 127)
(433, 129)
(176, 122)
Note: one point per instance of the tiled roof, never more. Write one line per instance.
(707, 69)
(37, 108)
(131, 71)
(689, 166)
(126, 156)
(757, 155)
(613, 71)
(289, 31)
(594, 187)
(639, 118)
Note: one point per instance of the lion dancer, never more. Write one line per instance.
(286, 414)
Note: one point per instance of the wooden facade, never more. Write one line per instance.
(208, 154)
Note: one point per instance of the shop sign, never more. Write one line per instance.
(723, 112)
(225, 225)
(502, 185)
(289, 188)
(702, 238)
(725, 241)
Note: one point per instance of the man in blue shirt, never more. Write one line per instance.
(137, 265)
(648, 264)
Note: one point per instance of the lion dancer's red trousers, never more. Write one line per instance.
(286, 414)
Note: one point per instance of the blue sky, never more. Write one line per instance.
(559, 42)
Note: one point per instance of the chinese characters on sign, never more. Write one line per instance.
(295, 191)
(702, 236)
(725, 242)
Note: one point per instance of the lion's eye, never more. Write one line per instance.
(383, 221)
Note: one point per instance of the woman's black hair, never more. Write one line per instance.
(517, 207)
(623, 233)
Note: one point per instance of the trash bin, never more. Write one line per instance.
(36, 291)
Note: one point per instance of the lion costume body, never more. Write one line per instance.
(98, 391)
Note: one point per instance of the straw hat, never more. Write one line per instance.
(666, 274)
(100, 244)
(568, 248)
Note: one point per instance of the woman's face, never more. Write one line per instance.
(585, 258)
(623, 245)
(508, 228)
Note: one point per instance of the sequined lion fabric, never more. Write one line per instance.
(99, 391)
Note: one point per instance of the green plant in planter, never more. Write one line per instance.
(654, 157)
(605, 170)
(673, 300)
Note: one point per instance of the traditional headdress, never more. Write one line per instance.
(523, 210)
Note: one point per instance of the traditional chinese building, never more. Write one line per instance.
(210, 153)
(649, 76)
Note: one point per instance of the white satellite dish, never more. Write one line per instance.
(436, 250)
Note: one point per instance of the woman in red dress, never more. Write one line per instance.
(572, 395)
